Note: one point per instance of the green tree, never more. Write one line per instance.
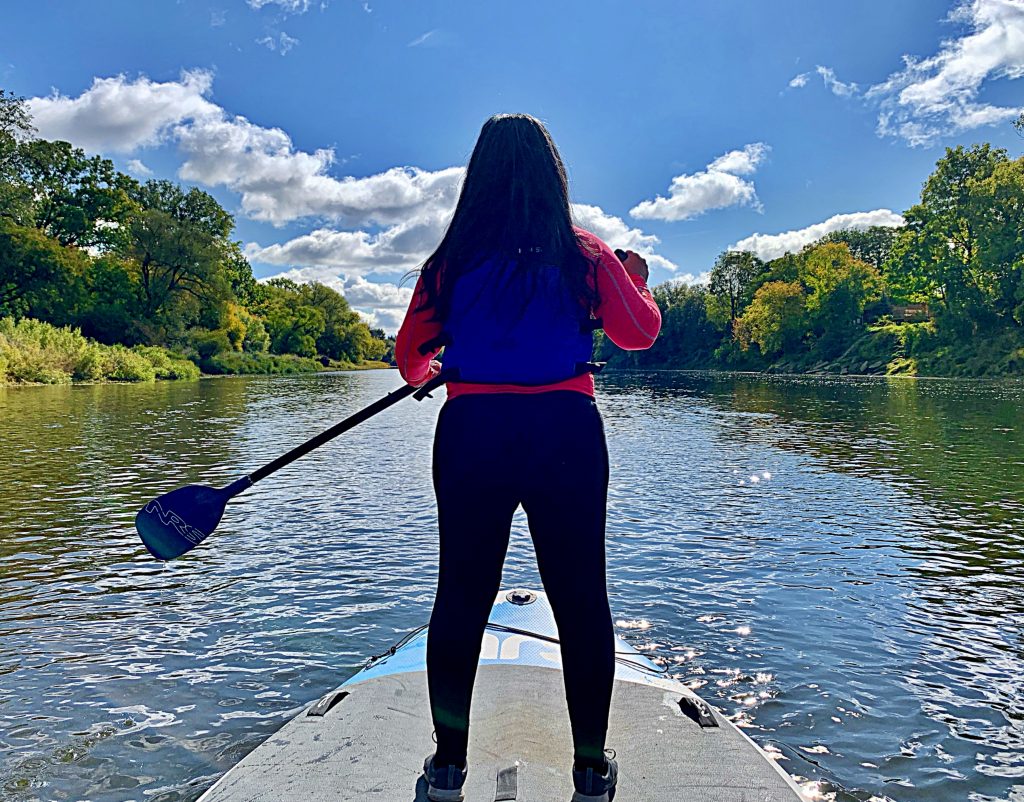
(39, 277)
(775, 320)
(179, 244)
(839, 286)
(15, 129)
(997, 216)
(295, 312)
(386, 349)
(244, 287)
(688, 337)
(941, 253)
(113, 304)
(76, 199)
(15, 121)
(731, 285)
(907, 274)
(344, 336)
(873, 245)
(356, 342)
(292, 324)
(294, 329)
(256, 340)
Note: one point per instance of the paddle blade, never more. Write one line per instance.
(178, 521)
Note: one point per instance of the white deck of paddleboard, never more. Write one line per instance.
(371, 745)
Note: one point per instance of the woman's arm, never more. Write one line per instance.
(629, 314)
(417, 328)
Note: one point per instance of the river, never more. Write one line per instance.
(835, 563)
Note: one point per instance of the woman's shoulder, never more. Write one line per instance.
(587, 236)
(592, 244)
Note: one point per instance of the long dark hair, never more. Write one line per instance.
(514, 207)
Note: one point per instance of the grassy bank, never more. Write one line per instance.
(882, 348)
(35, 352)
(916, 349)
(32, 352)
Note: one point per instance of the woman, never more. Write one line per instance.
(514, 293)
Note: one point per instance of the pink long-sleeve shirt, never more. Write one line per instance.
(630, 318)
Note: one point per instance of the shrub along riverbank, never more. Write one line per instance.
(36, 352)
(33, 352)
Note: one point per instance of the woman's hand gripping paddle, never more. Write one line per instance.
(177, 522)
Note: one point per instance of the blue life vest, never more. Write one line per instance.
(516, 327)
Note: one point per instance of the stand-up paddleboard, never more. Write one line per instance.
(367, 739)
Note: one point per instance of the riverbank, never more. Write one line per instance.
(37, 353)
(882, 349)
(916, 349)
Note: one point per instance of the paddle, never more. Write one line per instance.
(177, 522)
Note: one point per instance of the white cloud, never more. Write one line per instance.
(836, 86)
(772, 246)
(387, 319)
(376, 295)
(279, 184)
(287, 6)
(715, 187)
(617, 233)
(938, 95)
(218, 17)
(282, 44)
(436, 37)
(118, 115)
(740, 162)
(422, 39)
(136, 167)
(396, 249)
(689, 279)
(828, 75)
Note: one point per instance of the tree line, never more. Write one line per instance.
(150, 264)
(848, 301)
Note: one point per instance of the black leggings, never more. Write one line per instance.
(493, 452)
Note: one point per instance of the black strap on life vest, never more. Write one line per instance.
(441, 340)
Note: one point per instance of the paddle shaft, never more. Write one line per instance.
(353, 420)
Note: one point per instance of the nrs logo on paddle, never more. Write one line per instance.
(176, 522)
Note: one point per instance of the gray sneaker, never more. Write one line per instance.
(444, 783)
(594, 787)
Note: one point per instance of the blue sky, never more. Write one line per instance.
(334, 131)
